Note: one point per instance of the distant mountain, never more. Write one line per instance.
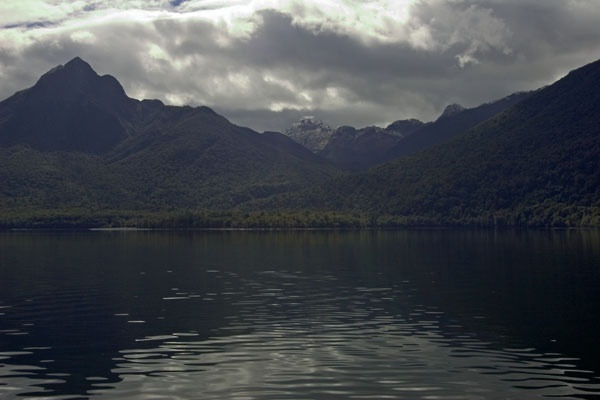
(358, 149)
(453, 121)
(76, 140)
(404, 127)
(310, 133)
(536, 164)
(451, 110)
(75, 150)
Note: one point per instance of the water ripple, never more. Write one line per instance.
(316, 346)
(263, 332)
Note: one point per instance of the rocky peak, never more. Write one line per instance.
(451, 110)
(310, 123)
(404, 127)
(77, 80)
(71, 107)
(310, 132)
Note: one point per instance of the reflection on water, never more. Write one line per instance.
(300, 315)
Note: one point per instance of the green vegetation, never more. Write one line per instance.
(537, 164)
(59, 151)
(533, 165)
(198, 219)
(555, 216)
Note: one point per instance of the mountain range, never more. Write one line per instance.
(76, 141)
(355, 149)
(359, 149)
(75, 150)
(535, 164)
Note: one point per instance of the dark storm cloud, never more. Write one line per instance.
(265, 63)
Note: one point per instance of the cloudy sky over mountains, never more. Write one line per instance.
(265, 63)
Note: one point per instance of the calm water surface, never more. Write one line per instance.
(300, 315)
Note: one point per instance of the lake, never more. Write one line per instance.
(423, 314)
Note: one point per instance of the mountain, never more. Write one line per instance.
(404, 127)
(75, 150)
(75, 140)
(451, 110)
(310, 133)
(359, 149)
(202, 160)
(536, 164)
(69, 108)
(453, 121)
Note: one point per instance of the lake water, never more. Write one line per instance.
(428, 314)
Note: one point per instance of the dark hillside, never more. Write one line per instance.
(360, 149)
(535, 164)
(69, 108)
(455, 120)
(91, 156)
(76, 141)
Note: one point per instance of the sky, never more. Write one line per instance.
(266, 63)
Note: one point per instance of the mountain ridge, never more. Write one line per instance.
(75, 139)
(535, 164)
(358, 149)
(310, 133)
(146, 164)
(74, 109)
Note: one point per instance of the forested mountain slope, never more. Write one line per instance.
(76, 141)
(538, 163)
(360, 149)
(453, 121)
(75, 147)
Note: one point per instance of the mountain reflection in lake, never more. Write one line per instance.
(300, 315)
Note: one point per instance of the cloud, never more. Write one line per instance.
(263, 63)
(470, 31)
(16, 13)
